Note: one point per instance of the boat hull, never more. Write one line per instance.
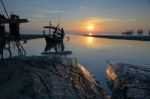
(53, 40)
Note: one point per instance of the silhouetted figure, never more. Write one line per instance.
(149, 32)
(62, 33)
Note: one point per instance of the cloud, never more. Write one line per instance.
(83, 8)
(44, 13)
(52, 11)
(94, 20)
(38, 15)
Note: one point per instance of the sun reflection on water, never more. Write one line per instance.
(90, 40)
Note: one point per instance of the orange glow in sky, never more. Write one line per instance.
(90, 34)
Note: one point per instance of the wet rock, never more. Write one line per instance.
(128, 81)
(41, 77)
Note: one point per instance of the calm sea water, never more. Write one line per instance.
(93, 53)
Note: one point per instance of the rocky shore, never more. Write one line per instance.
(42, 77)
(128, 81)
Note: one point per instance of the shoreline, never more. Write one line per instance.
(27, 36)
(122, 37)
(57, 77)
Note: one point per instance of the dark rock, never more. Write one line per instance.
(128, 81)
(41, 77)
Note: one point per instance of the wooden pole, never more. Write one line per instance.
(2, 49)
(4, 8)
(49, 28)
(2, 38)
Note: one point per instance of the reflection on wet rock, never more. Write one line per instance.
(111, 74)
(128, 81)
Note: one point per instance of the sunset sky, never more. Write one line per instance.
(82, 16)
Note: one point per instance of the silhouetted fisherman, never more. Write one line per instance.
(149, 32)
(62, 33)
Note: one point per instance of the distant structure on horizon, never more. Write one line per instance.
(128, 33)
(140, 32)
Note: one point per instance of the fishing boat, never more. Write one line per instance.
(56, 34)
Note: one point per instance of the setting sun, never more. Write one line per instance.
(90, 27)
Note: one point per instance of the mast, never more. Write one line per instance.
(58, 21)
(49, 28)
(4, 8)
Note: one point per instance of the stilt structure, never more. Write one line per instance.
(14, 26)
(2, 37)
(140, 32)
